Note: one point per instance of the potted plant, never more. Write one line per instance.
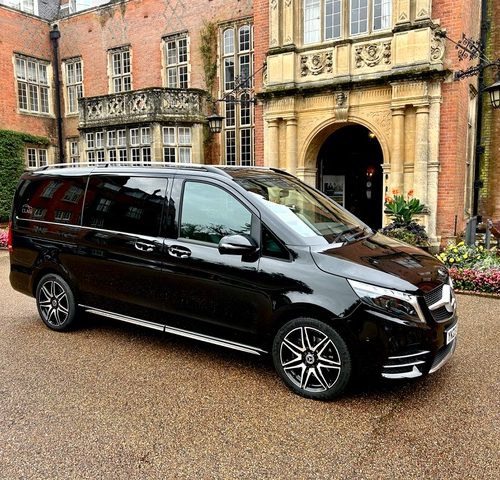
(403, 226)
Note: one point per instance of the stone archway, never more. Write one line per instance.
(349, 165)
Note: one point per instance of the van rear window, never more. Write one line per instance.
(51, 199)
(125, 203)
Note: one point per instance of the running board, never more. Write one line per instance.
(176, 331)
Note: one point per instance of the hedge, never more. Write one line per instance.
(12, 145)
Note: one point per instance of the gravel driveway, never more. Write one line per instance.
(113, 401)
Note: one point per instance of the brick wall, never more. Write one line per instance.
(26, 35)
(141, 25)
(261, 45)
(457, 17)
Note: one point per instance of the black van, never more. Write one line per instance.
(247, 258)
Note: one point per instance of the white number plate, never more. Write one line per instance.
(451, 334)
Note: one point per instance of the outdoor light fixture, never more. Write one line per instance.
(494, 91)
(215, 122)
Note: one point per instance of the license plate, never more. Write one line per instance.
(451, 334)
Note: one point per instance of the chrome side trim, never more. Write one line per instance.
(445, 358)
(176, 331)
(124, 318)
(413, 373)
(423, 352)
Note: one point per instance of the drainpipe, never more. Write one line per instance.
(55, 34)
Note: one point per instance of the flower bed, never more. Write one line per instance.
(3, 238)
(473, 268)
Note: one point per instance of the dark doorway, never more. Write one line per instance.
(350, 172)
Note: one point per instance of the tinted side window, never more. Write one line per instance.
(125, 204)
(210, 213)
(51, 199)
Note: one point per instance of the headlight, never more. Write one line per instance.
(393, 302)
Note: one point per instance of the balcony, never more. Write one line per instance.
(146, 105)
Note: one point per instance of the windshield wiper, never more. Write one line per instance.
(351, 234)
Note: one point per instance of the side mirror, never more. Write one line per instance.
(237, 245)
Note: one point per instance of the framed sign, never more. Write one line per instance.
(334, 187)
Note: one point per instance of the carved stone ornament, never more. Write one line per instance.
(372, 54)
(288, 2)
(341, 106)
(437, 47)
(274, 4)
(316, 64)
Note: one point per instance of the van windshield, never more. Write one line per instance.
(303, 209)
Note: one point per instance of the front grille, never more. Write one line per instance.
(438, 299)
(433, 296)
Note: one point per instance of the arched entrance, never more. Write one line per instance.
(350, 171)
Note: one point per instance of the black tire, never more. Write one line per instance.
(312, 358)
(55, 302)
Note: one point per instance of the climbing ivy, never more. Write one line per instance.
(208, 52)
(12, 146)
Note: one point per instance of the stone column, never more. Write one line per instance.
(421, 152)
(273, 149)
(396, 180)
(291, 145)
(433, 165)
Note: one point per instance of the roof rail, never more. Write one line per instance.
(128, 164)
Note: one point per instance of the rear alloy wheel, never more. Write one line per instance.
(55, 302)
(312, 358)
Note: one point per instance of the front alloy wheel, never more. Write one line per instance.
(55, 302)
(312, 358)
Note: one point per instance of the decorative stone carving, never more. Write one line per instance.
(274, 4)
(372, 54)
(341, 106)
(437, 47)
(154, 103)
(316, 64)
(382, 119)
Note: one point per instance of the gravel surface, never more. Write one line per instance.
(114, 401)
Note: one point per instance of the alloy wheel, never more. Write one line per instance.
(310, 359)
(53, 303)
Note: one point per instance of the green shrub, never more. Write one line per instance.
(12, 145)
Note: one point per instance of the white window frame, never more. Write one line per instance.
(36, 157)
(120, 68)
(176, 57)
(122, 145)
(33, 87)
(238, 126)
(177, 144)
(330, 20)
(73, 72)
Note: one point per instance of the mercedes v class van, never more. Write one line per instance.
(247, 258)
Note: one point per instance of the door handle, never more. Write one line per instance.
(179, 252)
(144, 247)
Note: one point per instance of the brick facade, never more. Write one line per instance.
(141, 25)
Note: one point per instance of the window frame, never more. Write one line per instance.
(33, 90)
(180, 68)
(74, 85)
(120, 58)
(318, 34)
(237, 54)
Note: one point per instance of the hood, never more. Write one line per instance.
(383, 261)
